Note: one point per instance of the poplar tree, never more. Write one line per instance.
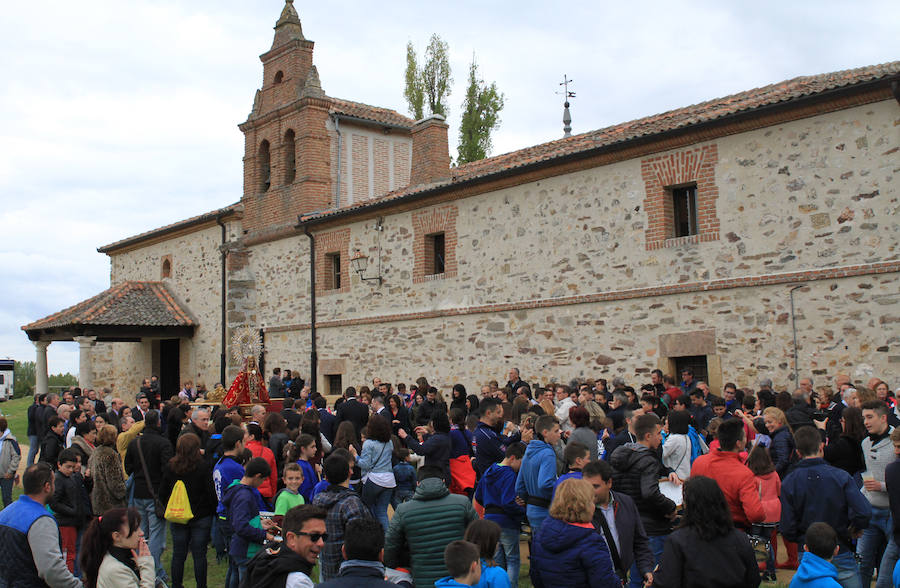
(481, 115)
(432, 80)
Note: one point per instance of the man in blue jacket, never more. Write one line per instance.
(817, 492)
(489, 443)
(617, 519)
(496, 492)
(242, 504)
(534, 484)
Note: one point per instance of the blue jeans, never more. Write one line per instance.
(536, 516)
(656, 543)
(194, 535)
(508, 555)
(6, 486)
(33, 447)
(871, 545)
(154, 530)
(886, 568)
(377, 498)
(237, 570)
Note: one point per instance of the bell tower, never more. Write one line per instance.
(286, 142)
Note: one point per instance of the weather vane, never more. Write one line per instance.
(567, 116)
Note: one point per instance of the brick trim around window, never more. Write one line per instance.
(436, 220)
(326, 245)
(660, 174)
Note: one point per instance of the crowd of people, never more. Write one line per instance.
(600, 484)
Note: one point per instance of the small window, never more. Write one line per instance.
(696, 363)
(684, 207)
(167, 268)
(436, 253)
(1, 379)
(334, 384)
(279, 76)
(333, 267)
(290, 157)
(265, 169)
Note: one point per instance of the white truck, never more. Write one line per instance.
(7, 371)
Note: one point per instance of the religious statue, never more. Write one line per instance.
(248, 387)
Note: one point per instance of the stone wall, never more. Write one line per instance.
(196, 282)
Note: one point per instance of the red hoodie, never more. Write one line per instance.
(737, 483)
(267, 488)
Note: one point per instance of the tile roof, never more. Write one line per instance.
(371, 113)
(144, 304)
(680, 118)
(185, 223)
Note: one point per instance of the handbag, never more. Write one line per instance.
(178, 509)
(158, 509)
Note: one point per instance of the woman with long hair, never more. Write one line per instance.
(846, 452)
(375, 465)
(276, 437)
(189, 467)
(107, 472)
(567, 551)
(458, 397)
(399, 413)
(311, 424)
(706, 534)
(114, 553)
(345, 438)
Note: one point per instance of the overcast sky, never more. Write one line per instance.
(121, 116)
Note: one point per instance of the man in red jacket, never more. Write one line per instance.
(735, 479)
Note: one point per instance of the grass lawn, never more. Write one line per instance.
(16, 414)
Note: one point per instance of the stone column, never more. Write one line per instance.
(40, 367)
(85, 367)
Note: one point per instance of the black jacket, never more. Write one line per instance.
(267, 570)
(34, 423)
(327, 424)
(70, 502)
(354, 411)
(687, 561)
(633, 542)
(352, 576)
(782, 450)
(199, 485)
(800, 415)
(847, 454)
(636, 473)
(51, 446)
(157, 453)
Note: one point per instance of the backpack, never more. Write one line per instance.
(178, 509)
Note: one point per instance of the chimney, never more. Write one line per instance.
(430, 151)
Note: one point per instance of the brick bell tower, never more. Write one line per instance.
(286, 142)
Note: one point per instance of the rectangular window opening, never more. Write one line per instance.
(334, 384)
(436, 251)
(333, 267)
(684, 205)
(695, 363)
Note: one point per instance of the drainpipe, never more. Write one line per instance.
(313, 354)
(340, 150)
(794, 329)
(224, 258)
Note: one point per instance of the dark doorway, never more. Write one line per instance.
(696, 363)
(169, 368)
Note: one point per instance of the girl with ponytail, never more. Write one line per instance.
(114, 553)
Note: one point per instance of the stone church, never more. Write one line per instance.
(755, 235)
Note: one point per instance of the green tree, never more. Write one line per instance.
(415, 91)
(65, 379)
(431, 81)
(23, 373)
(481, 115)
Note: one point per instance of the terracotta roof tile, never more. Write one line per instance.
(372, 113)
(645, 127)
(144, 304)
(200, 218)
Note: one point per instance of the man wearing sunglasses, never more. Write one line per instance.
(304, 535)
